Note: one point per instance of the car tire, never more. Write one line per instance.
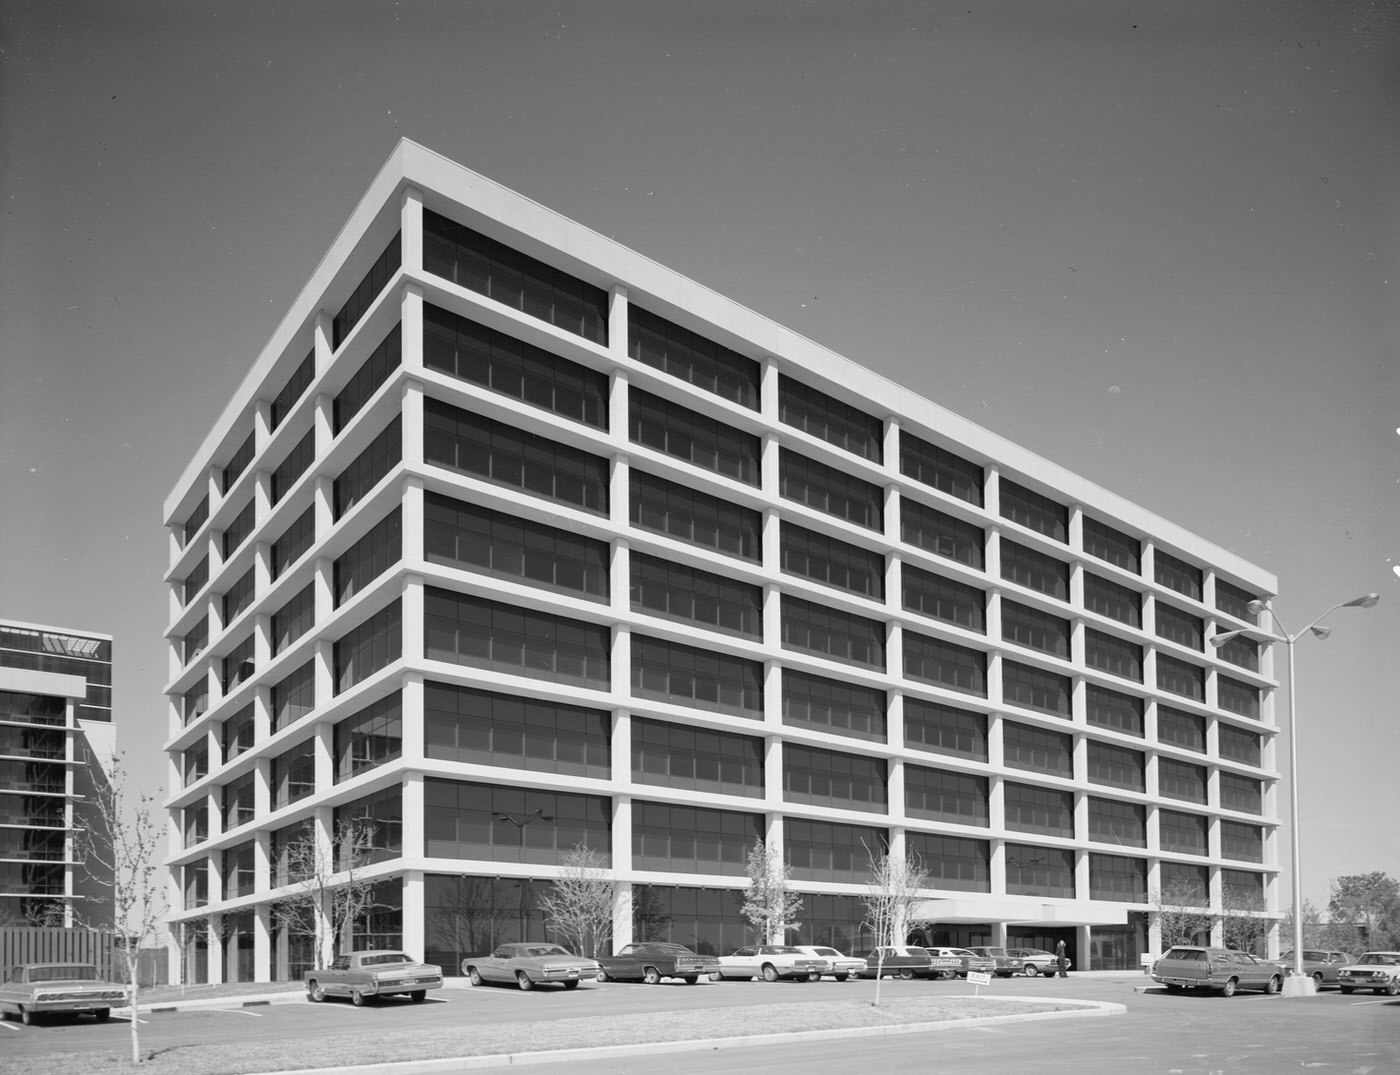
(1345, 990)
(1317, 979)
(690, 979)
(102, 1014)
(1273, 985)
(1393, 988)
(651, 976)
(357, 998)
(474, 976)
(1228, 989)
(716, 976)
(1030, 970)
(1172, 987)
(770, 972)
(418, 996)
(572, 983)
(840, 977)
(523, 981)
(907, 973)
(26, 1017)
(314, 992)
(602, 974)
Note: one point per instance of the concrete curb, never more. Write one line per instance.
(448, 1065)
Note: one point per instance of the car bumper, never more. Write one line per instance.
(87, 1004)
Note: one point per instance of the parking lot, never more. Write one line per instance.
(1186, 1034)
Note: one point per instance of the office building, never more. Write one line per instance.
(513, 541)
(56, 740)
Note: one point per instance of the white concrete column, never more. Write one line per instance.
(411, 427)
(262, 943)
(618, 342)
(414, 723)
(411, 329)
(415, 916)
(411, 230)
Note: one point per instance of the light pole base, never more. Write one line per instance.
(1299, 985)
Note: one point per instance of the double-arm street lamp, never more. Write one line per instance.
(520, 821)
(1299, 984)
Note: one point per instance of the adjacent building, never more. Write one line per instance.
(513, 541)
(56, 740)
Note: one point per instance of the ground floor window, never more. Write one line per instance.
(705, 920)
(465, 916)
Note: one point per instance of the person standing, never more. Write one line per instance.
(1061, 960)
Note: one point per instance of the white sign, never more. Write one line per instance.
(979, 977)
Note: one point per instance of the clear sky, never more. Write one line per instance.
(1157, 243)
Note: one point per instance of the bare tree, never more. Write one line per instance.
(120, 850)
(893, 888)
(1312, 927)
(1182, 911)
(327, 889)
(579, 905)
(1242, 917)
(770, 906)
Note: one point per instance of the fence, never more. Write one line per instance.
(104, 949)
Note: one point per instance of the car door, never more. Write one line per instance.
(493, 968)
(628, 963)
(743, 963)
(337, 981)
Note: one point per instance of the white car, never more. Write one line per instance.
(1376, 971)
(770, 962)
(842, 966)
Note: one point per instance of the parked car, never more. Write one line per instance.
(1223, 969)
(34, 989)
(960, 961)
(1321, 965)
(841, 966)
(1033, 961)
(1005, 965)
(770, 962)
(898, 961)
(650, 961)
(528, 964)
(366, 976)
(1377, 971)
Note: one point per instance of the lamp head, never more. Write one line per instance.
(1257, 606)
(1320, 632)
(1367, 600)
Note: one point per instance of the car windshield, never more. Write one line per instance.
(825, 952)
(61, 974)
(1389, 959)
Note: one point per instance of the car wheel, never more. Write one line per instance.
(572, 983)
(314, 992)
(906, 973)
(716, 976)
(651, 976)
(602, 974)
(418, 996)
(523, 981)
(474, 976)
(1172, 987)
(770, 972)
(1030, 970)
(1345, 990)
(26, 1017)
(1317, 978)
(357, 998)
(102, 1014)
(840, 977)
(1272, 985)
(1393, 988)
(690, 979)
(1228, 989)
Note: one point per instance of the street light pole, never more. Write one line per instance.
(520, 823)
(1298, 984)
